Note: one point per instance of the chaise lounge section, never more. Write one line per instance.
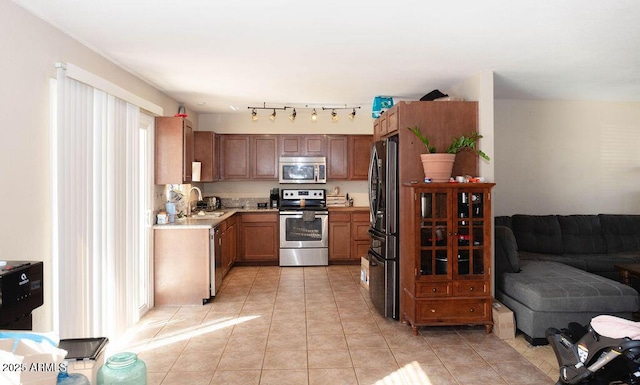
(552, 270)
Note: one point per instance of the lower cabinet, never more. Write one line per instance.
(348, 235)
(259, 238)
(229, 240)
(181, 266)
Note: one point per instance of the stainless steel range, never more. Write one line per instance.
(304, 228)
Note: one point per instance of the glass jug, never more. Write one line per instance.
(123, 369)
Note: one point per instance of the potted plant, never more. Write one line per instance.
(438, 166)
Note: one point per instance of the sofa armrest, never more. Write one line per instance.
(506, 249)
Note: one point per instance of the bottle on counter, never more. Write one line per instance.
(123, 369)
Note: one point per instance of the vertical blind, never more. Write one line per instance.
(97, 214)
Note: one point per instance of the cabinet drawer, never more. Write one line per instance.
(470, 288)
(433, 289)
(339, 217)
(259, 217)
(360, 216)
(452, 310)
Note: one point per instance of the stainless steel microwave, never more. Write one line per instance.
(302, 169)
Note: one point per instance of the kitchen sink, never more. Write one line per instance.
(206, 215)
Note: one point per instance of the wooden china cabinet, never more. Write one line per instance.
(447, 257)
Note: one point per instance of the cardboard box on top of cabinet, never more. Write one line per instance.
(503, 321)
(364, 272)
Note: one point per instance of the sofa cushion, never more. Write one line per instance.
(555, 287)
(578, 263)
(503, 220)
(537, 233)
(599, 263)
(621, 232)
(582, 234)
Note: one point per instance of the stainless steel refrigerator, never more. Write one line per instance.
(383, 204)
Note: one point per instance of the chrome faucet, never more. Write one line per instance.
(189, 198)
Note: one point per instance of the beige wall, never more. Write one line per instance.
(567, 157)
(30, 50)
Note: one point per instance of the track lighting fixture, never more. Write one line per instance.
(294, 113)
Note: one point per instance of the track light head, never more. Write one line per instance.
(352, 115)
(254, 115)
(334, 115)
(273, 115)
(293, 115)
(314, 116)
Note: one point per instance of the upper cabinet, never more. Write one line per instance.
(302, 145)
(235, 157)
(206, 150)
(263, 152)
(348, 156)
(173, 150)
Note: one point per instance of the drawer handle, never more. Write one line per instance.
(433, 310)
(434, 290)
(471, 310)
(471, 288)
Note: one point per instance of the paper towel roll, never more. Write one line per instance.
(196, 168)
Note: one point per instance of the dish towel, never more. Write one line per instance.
(308, 216)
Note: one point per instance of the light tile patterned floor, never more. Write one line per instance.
(315, 326)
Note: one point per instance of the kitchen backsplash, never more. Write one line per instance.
(249, 194)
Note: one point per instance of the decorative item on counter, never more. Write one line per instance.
(196, 169)
(171, 211)
(336, 190)
(163, 219)
(123, 369)
(336, 200)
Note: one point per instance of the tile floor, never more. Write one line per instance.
(315, 326)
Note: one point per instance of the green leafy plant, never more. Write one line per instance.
(466, 142)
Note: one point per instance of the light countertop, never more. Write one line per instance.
(209, 221)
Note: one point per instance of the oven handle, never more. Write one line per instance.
(318, 213)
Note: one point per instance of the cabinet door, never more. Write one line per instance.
(359, 154)
(259, 237)
(173, 150)
(337, 157)
(264, 157)
(235, 157)
(302, 145)
(205, 151)
(433, 208)
(314, 145)
(339, 236)
(291, 145)
(470, 233)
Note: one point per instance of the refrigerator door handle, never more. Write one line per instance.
(372, 162)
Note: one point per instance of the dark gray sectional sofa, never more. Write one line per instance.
(555, 269)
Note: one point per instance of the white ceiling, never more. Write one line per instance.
(295, 52)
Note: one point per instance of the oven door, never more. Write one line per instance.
(300, 230)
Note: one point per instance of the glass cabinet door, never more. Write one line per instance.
(469, 233)
(434, 209)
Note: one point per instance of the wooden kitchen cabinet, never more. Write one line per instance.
(264, 157)
(235, 157)
(206, 150)
(302, 145)
(348, 234)
(339, 236)
(181, 266)
(173, 150)
(446, 276)
(229, 241)
(360, 223)
(259, 238)
(337, 157)
(359, 155)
